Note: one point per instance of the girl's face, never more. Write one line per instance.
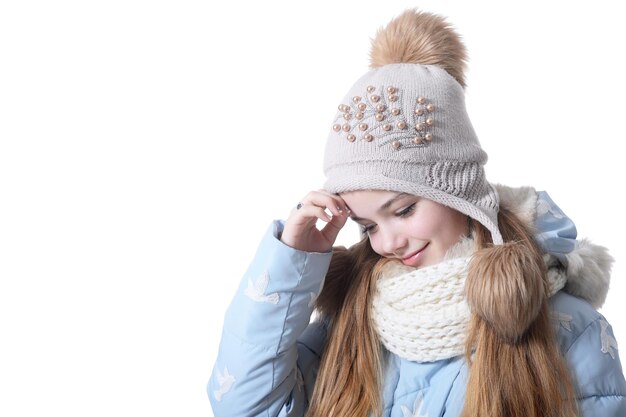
(414, 230)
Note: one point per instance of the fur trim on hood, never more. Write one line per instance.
(585, 266)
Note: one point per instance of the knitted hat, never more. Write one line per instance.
(403, 125)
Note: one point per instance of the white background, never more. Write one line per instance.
(146, 146)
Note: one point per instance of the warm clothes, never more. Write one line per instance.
(421, 314)
(270, 353)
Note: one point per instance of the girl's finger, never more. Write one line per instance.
(336, 206)
(332, 228)
(336, 197)
(321, 214)
(308, 212)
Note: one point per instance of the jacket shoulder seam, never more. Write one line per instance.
(601, 396)
(582, 333)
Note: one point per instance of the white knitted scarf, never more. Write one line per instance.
(421, 314)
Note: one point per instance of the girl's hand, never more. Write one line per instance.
(300, 231)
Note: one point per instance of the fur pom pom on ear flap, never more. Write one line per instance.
(420, 38)
(506, 288)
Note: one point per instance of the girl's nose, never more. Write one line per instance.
(394, 242)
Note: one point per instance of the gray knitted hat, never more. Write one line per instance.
(403, 125)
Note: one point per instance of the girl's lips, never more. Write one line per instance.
(414, 259)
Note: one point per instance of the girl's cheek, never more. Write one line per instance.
(375, 245)
(420, 229)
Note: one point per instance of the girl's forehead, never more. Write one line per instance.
(372, 194)
(366, 199)
(384, 196)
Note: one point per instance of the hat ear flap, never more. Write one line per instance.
(506, 287)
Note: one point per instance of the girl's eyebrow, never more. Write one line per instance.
(385, 206)
(391, 201)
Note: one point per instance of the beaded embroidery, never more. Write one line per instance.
(377, 114)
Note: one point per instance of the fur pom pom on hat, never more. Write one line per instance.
(420, 38)
(403, 125)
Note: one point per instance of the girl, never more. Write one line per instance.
(462, 299)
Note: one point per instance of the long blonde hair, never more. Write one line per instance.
(515, 366)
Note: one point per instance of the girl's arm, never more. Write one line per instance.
(269, 354)
(591, 350)
(598, 371)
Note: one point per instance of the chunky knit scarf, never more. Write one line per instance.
(421, 314)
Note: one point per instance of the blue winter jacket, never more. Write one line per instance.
(269, 352)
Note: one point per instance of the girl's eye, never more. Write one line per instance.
(407, 211)
(367, 229)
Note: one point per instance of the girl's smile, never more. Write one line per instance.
(413, 260)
